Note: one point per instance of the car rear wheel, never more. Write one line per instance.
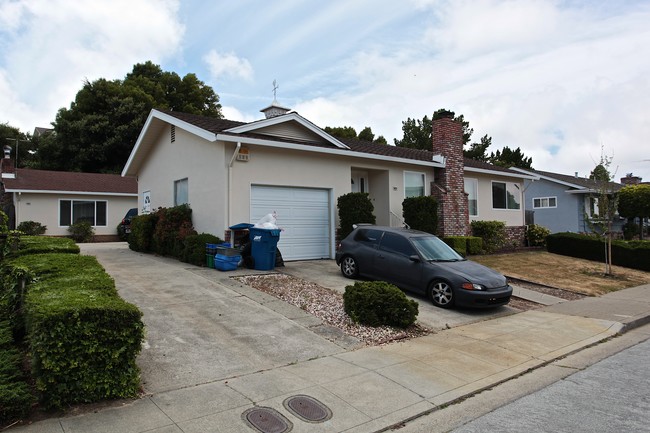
(441, 294)
(349, 267)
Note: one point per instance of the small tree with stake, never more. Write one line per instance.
(607, 198)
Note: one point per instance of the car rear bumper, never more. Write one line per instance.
(483, 299)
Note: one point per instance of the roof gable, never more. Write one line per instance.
(292, 126)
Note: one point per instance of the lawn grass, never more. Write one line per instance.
(578, 275)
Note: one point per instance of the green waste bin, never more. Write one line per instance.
(264, 242)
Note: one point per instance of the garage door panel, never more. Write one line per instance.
(304, 216)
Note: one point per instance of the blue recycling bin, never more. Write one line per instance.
(264, 242)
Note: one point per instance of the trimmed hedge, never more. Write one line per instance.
(458, 243)
(354, 208)
(83, 338)
(194, 251)
(474, 245)
(633, 254)
(377, 303)
(421, 213)
(45, 244)
(493, 234)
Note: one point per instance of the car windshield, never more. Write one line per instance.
(432, 248)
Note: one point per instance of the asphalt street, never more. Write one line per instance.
(612, 395)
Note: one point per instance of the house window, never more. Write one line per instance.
(471, 188)
(413, 184)
(74, 211)
(591, 206)
(180, 192)
(505, 195)
(544, 202)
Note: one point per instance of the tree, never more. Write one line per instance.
(478, 151)
(22, 145)
(510, 158)
(97, 132)
(634, 202)
(366, 133)
(607, 199)
(417, 134)
(341, 131)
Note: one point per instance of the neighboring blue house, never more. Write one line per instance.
(561, 202)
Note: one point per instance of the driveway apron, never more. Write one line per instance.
(200, 330)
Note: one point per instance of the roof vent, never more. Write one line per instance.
(274, 110)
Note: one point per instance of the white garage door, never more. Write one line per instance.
(303, 213)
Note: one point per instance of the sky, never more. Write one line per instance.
(568, 82)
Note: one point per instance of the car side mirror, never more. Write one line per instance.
(414, 258)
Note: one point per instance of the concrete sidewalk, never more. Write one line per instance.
(373, 388)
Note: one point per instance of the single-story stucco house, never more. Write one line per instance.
(565, 203)
(57, 199)
(231, 172)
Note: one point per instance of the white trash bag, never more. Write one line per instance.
(268, 221)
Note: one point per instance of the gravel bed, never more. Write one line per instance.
(327, 305)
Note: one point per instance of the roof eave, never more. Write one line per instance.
(498, 173)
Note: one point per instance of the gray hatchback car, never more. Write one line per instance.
(420, 262)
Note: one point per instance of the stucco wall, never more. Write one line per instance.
(44, 208)
(486, 212)
(202, 163)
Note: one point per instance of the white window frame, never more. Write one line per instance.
(591, 202)
(177, 183)
(94, 224)
(474, 182)
(516, 186)
(424, 183)
(548, 202)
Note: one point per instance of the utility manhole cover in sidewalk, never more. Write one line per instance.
(307, 408)
(266, 420)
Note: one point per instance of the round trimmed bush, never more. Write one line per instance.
(377, 303)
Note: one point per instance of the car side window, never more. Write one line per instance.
(368, 237)
(396, 244)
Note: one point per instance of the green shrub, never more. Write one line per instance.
(4, 220)
(630, 254)
(142, 229)
(536, 235)
(377, 303)
(474, 245)
(631, 230)
(15, 395)
(458, 243)
(493, 234)
(421, 213)
(83, 338)
(194, 248)
(45, 244)
(354, 208)
(173, 225)
(31, 228)
(81, 231)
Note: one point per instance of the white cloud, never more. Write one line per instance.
(230, 65)
(51, 47)
(232, 113)
(556, 82)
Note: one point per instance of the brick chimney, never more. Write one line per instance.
(7, 169)
(449, 185)
(630, 179)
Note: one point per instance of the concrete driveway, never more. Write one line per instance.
(327, 274)
(200, 325)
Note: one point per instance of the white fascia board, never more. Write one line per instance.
(317, 149)
(582, 191)
(251, 127)
(47, 191)
(158, 115)
(498, 173)
(549, 178)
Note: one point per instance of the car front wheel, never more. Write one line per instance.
(441, 294)
(349, 267)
